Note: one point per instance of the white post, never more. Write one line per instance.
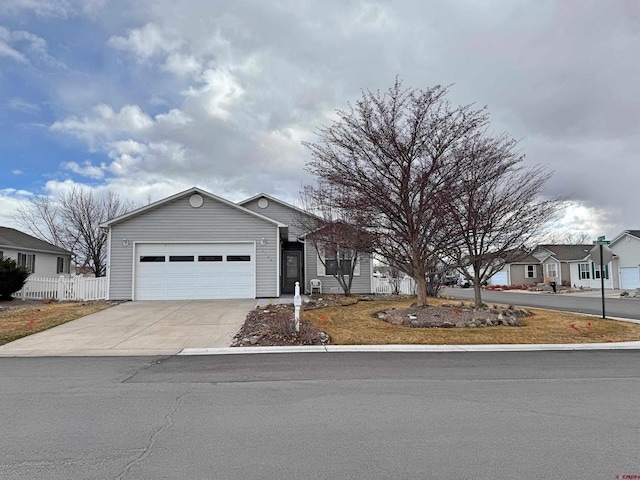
(297, 301)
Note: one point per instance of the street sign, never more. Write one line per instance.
(600, 239)
(607, 254)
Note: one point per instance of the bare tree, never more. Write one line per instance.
(72, 221)
(567, 237)
(339, 240)
(495, 208)
(389, 155)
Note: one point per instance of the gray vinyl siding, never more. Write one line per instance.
(627, 248)
(565, 274)
(361, 284)
(177, 221)
(518, 275)
(282, 214)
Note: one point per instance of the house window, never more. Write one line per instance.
(28, 261)
(209, 258)
(1, 254)
(530, 271)
(331, 266)
(334, 266)
(181, 258)
(60, 268)
(552, 270)
(583, 270)
(238, 258)
(151, 258)
(595, 269)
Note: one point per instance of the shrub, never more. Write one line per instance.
(12, 278)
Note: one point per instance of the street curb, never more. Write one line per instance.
(414, 348)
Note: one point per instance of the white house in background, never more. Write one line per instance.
(196, 245)
(626, 262)
(39, 257)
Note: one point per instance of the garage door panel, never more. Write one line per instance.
(158, 280)
(500, 278)
(181, 269)
(629, 278)
(194, 271)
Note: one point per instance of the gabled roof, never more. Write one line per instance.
(567, 253)
(190, 191)
(633, 233)
(523, 257)
(273, 199)
(17, 240)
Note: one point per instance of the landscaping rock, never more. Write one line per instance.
(449, 316)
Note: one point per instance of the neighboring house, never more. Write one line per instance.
(39, 257)
(570, 265)
(626, 262)
(522, 269)
(196, 245)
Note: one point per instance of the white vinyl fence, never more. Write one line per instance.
(385, 286)
(63, 288)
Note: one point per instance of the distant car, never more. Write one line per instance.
(450, 281)
(464, 283)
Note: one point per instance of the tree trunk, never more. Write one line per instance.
(421, 283)
(476, 291)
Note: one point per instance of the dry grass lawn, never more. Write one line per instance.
(26, 319)
(354, 325)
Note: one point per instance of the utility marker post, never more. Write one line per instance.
(601, 255)
(297, 301)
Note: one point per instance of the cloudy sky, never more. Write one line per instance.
(149, 98)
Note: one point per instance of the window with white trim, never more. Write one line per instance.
(530, 271)
(595, 269)
(329, 265)
(552, 270)
(27, 260)
(583, 271)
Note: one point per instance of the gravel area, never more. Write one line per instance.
(452, 316)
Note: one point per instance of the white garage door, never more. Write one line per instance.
(629, 278)
(176, 271)
(500, 278)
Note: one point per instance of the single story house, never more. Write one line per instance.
(41, 258)
(626, 260)
(571, 265)
(196, 245)
(521, 269)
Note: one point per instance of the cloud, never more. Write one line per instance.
(146, 42)
(51, 8)
(87, 169)
(20, 105)
(220, 94)
(17, 171)
(105, 123)
(6, 50)
(26, 47)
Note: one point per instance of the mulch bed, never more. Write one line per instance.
(454, 316)
(274, 325)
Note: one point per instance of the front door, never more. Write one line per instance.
(291, 270)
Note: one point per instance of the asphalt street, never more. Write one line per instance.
(507, 415)
(614, 307)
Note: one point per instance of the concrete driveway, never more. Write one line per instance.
(140, 328)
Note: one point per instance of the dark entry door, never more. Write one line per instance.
(291, 270)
